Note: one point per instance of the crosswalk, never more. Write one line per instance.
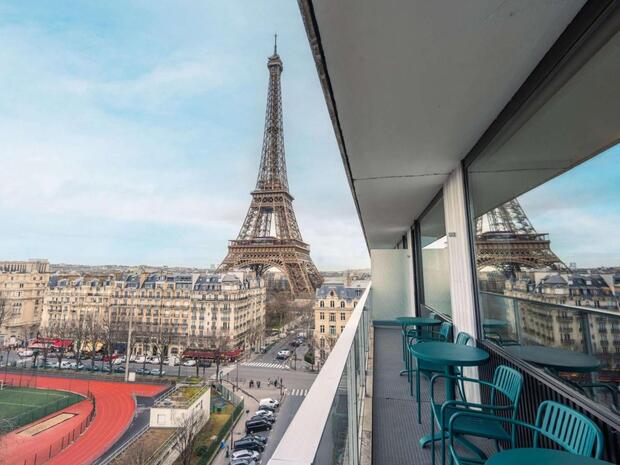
(297, 392)
(279, 366)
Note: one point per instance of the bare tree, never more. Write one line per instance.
(166, 334)
(111, 332)
(278, 308)
(60, 329)
(79, 331)
(187, 434)
(93, 335)
(136, 454)
(220, 344)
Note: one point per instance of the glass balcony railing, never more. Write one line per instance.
(327, 427)
(516, 321)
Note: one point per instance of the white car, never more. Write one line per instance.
(269, 402)
(245, 454)
(25, 353)
(284, 354)
(153, 360)
(140, 359)
(265, 413)
(65, 364)
(189, 363)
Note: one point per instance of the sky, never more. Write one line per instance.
(130, 132)
(580, 210)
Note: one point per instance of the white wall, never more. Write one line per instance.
(392, 278)
(166, 417)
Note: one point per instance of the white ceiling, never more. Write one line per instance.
(417, 82)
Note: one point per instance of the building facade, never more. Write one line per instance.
(334, 303)
(22, 290)
(168, 312)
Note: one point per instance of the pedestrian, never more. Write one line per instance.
(275, 383)
(258, 384)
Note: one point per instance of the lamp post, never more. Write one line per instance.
(127, 351)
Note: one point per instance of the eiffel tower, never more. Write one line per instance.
(270, 235)
(506, 240)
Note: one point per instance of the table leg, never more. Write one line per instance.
(424, 440)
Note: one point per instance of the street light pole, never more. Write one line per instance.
(128, 349)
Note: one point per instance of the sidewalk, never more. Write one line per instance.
(251, 398)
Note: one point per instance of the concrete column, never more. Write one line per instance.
(459, 255)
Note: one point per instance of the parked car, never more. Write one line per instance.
(157, 372)
(267, 414)
(244, 461)
(249, 443)
(269, 402)
(76, 366)
(25, 352)
(153, 360)
(119, 368)
(245, 454)
(256, 437)
(143, 371)
(257, 424)
(189, 363)
(283, 354)
(105, 369)
(270, 419)
(204, 363)
(93, 368)
(140, 359)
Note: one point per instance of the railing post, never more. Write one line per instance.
(516, 309)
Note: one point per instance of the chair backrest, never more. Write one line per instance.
(570, 429)
(444, 331)
(509, 382)
(462, 338)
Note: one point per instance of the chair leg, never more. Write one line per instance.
(432, 435)
(417, 393)
(443, 446)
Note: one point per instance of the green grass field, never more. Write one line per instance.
(19, 406)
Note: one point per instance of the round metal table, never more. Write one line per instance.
(556, 359)
(449, 355)
(541, 456)
(407, 321)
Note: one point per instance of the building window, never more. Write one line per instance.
(322, 342)
(322, 304)
(332, 330)
(332, 303)
(541, 248)
(332, 316)
(343, 316)
(321, 315)
(435, 266)
(322, 329)
(342, 304)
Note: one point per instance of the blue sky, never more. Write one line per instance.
(580, 210)
(130, 131)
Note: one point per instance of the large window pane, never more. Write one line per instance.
(546, 214)
(435, 265)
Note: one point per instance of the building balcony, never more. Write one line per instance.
(360, 410)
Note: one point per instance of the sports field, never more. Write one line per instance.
(20, 406)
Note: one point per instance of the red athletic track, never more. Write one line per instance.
(114, 404)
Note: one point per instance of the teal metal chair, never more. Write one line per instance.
(426, 368)
(506, 388)
(567, 428)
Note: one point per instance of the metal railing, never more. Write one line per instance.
(581, 329)
(327, 426)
